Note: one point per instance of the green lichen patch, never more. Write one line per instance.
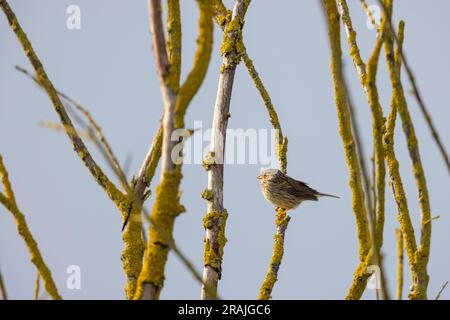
(210, 159)
(232, 44)
(207, 194)
(214, 246)
(166, 208)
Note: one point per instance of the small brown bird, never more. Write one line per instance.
(285, 192)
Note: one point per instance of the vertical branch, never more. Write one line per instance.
(176, 99)
(345, 131)
(8, 200)
(362, 161)
(398, 232)
(169, 83)
(399, 236)
(367, 75)
(378, 128)
(396, 183)
(420, 261)
(202, 55)
(173, 44)
(398, 190)
(215, 220)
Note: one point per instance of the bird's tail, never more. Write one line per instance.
(327, 195)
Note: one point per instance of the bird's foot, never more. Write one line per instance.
(281, 213)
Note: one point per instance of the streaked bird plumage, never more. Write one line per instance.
(285, 192)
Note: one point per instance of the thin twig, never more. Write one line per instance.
(8, 200)
(442, 290)
(37, 285)
(79, 147)
(399, 236)
(106, 149)
(281, 141)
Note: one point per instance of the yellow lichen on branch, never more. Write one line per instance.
(418, 256)
(201, 62)
(282, 142)
(358, 198)
(378, 127)
(360, 278)
(8, 200)
(134, 246)
(231, 50)
(167, 207)
(173, 44)
(282, 221)
(167, 203)
(223, 17)
(397, 186)
(399, 236)
(367, 76)
(154, 156)
(213, 248)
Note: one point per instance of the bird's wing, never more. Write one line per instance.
(302, 190)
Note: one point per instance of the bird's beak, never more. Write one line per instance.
(259, 177)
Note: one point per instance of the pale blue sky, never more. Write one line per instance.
(109, 68)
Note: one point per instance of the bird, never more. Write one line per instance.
(286, 193)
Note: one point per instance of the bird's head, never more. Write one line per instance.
(268, 174)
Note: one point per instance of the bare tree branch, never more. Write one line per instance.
(215, 219)
(105, 147)
(419, 259)
(175, 99)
